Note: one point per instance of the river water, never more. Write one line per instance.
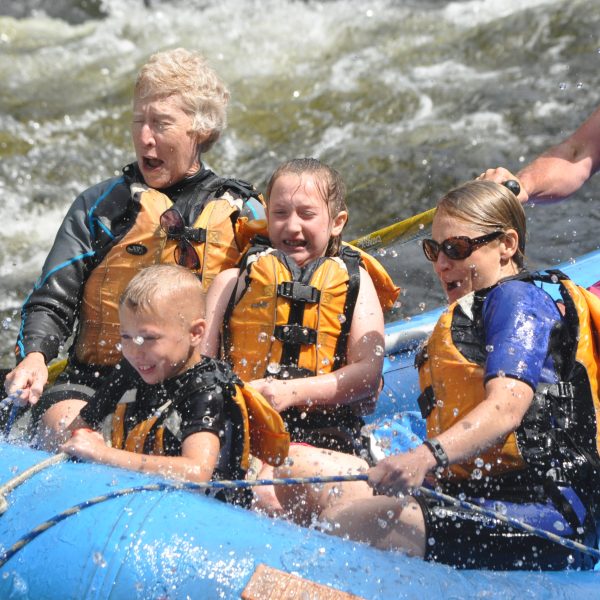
(405, 98)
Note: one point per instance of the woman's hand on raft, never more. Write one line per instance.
(401, 473)
(25, 383)
(85, 444)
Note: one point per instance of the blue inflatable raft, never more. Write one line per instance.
(76, 530)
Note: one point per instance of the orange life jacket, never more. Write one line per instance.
(291, 322)
(264, 433)
(453, 385)
(146, 244)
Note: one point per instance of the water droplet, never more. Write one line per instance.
(263, 336)
(500, 507)
(325, 361)
(138, 340)
(559, 526)
(99, 559)
(489, 348)
(479, 462)
(342, 318)
(382, 523)
(476, 474)
(431, 541)
(119, 346)
(243, 362)
(563, 85)
(379, 350)
(273, 368)
(422, 306)
(6, 323)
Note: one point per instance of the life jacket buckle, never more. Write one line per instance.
(295, 334)
(565, 389)
(300, 292)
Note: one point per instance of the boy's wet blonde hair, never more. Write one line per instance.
(159, 282)
(328, 181)
(488, 206)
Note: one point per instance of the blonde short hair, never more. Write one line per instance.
(487, 206)
(159, 282)
(187, 75)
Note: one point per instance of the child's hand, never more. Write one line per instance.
(267, 387)
(84, 443)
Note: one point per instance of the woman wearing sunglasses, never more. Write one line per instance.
(166, 207)
(494, 403)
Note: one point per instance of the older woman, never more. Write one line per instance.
(508, 423)
(165, 208)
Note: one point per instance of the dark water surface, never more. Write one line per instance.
(406, 99)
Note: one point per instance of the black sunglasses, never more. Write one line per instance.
(459, 247)
(174, 226)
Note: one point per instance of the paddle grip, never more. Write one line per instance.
(513, 186)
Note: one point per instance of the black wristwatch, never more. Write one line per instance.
(441, 458)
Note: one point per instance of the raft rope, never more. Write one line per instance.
(242, 483)
(542, 533)
(10, 485)
(159, 487)
(5, 403)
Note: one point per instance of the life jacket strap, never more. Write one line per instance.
(295, 334)
(192, 234)
(426, 401)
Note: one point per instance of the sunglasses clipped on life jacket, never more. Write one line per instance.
(174, 226)
(458, 247)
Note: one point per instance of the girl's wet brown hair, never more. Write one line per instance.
(329, 183)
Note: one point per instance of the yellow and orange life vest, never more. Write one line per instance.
(146, 244)
(293, 322)
(264, 433)
(452, 385)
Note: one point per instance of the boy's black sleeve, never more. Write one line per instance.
(204, 410)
